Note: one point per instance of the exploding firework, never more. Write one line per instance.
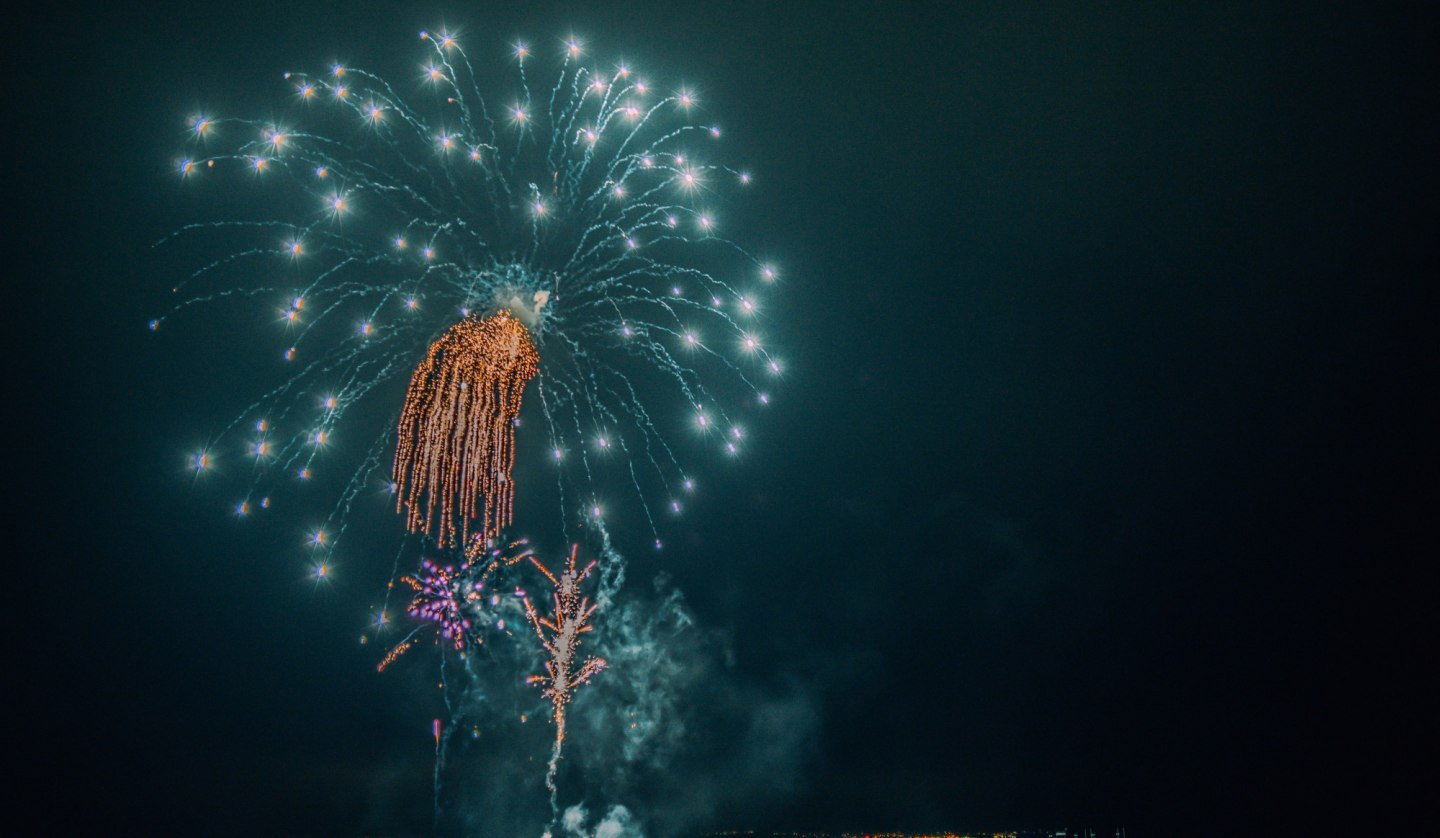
(566, 239)
(451, 598)
(415, 215)
(442, 597)
(457, 431)
(568, 621)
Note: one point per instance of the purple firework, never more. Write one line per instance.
(440, 596)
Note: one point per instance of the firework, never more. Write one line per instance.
(451, 597)
(568, 238)
(566, 624)
(442, 596)
(457, 431)
(410, 215)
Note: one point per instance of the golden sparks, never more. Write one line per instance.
(457, 429)
(393, 654)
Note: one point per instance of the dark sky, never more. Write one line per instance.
(1100, 490)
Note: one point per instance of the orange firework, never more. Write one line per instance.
(457, 430)
(569, 620)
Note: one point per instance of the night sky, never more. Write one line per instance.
(1099, 490)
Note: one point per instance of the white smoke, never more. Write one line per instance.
(617, 823)
(526, 312)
